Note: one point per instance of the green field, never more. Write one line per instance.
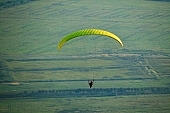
(130, 104)
(30, 62)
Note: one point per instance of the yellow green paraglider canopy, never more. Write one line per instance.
(88, 32)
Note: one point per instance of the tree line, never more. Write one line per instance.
(87, 92)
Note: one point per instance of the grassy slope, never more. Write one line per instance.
(29, 34)
(33, 31)
(37, 27)
(132, 104)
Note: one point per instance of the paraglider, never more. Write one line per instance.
(91, 83)
(88, 32)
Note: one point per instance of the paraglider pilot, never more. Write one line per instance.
(91, 83)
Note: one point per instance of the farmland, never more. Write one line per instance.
(36, 77)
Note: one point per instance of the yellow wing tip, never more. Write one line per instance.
(120, 43)
(59, 47)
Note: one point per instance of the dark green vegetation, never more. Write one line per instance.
(96, 92)
(12, 3)
(36, 77)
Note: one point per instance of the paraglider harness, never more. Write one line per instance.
(91, 83)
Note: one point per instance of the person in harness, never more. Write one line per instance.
(91, 82)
